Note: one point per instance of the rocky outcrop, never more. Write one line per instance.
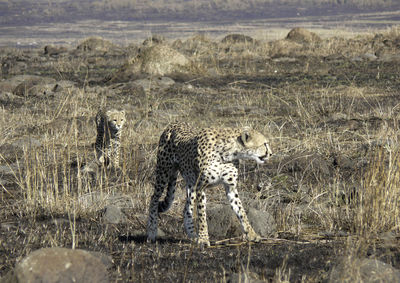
(302, 35)
(156, 60)
(60, 265)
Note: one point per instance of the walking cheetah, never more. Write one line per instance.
(205, 158)
(109, 127)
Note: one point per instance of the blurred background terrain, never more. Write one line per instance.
(26, 12)
(26, 23)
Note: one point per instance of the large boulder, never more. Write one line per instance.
(60, 265)
(302, 35)
(157, 60)
(162, 59)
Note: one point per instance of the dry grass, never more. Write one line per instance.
(335, 170)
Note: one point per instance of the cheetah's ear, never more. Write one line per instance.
(245, 136)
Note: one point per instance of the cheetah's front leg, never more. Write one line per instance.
(237, 207)
(114, 154)
(230, 181)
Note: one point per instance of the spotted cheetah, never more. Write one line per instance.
(109, 128)
(205, 158)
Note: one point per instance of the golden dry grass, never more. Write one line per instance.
(335, 138)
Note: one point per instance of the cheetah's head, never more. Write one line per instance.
(116, 119)
(254, 146)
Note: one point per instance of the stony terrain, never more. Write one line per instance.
(327, 203)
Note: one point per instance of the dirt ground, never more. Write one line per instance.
(329, 107)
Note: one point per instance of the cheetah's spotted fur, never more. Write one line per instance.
(205, 158)
(109, 128)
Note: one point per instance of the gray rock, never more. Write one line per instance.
(363, 270)
(261, 221)
(61, 265)
(114, 215)
(223, 223)
(219, 219)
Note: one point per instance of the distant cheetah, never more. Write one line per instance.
(204, 157)
(109, 128)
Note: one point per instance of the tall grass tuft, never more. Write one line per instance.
(378, 206)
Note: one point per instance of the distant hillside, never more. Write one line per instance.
(24, 11)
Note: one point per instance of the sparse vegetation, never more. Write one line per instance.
(330, 108)
(199, 10)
